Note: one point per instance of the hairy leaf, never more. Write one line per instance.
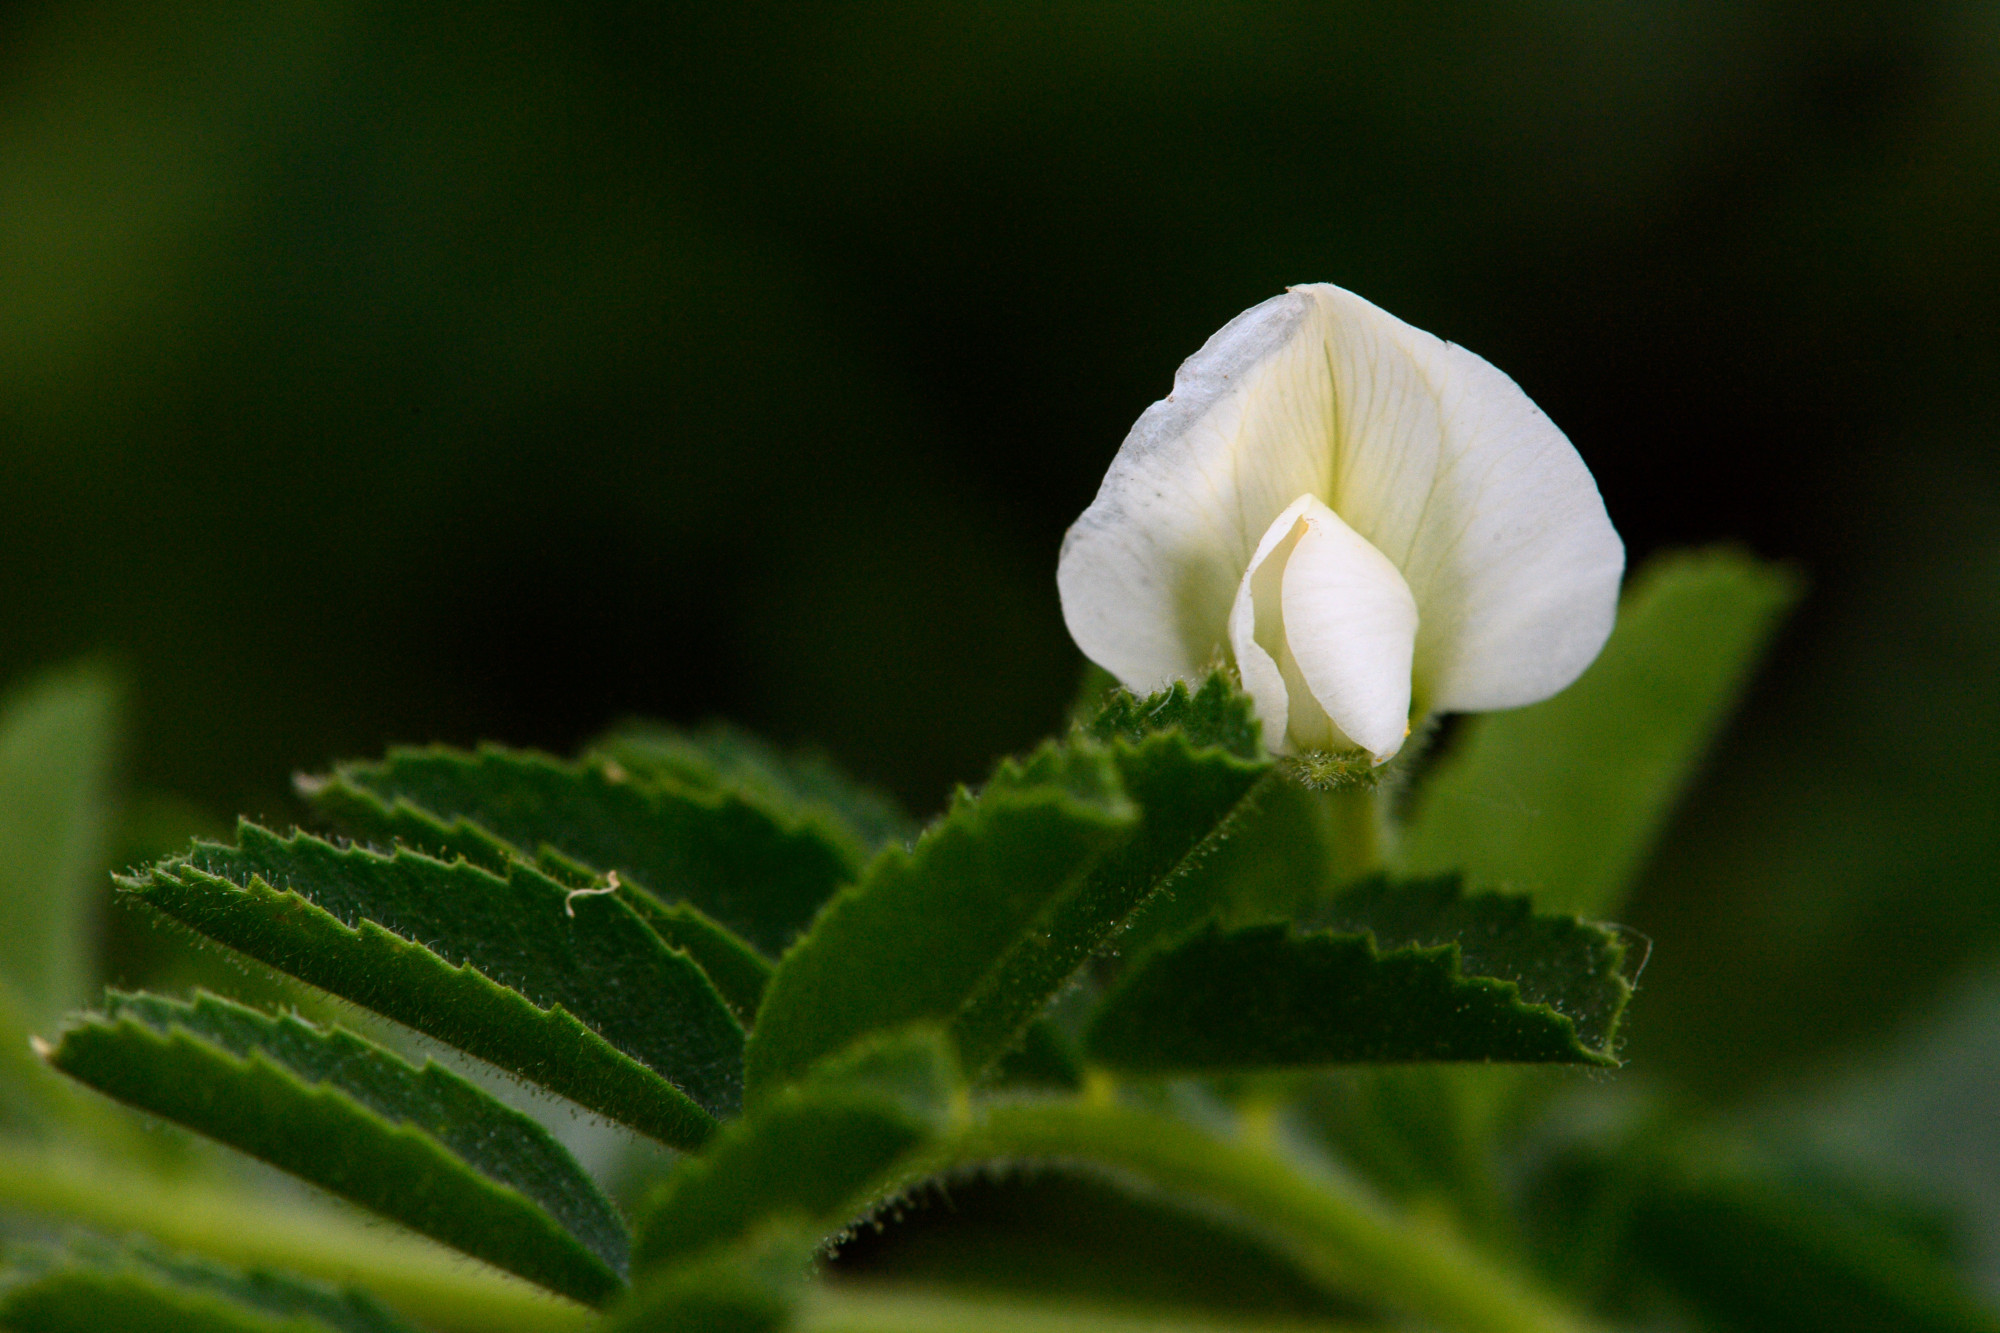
(758, 871)
(1573, 966)
(924, 930)
(1018, 887)
(577, 994)
(1191, 762)
(720, 758)
(1563, 799)
(817, 1152)
(738, 971)
(56, 737)
(91, 1286)
(1215, 715)
(419, 1145)
(1398, 973)
(1058, 1235)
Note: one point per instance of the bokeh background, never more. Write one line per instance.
(388, 372)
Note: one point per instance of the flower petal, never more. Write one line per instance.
(1449, 470)
(1257, 631)
(1150, 570)
(1351, 624)
(1323, 628)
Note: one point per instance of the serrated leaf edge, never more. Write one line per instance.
(1453, 956)
(179, 1037)
(687, 1126)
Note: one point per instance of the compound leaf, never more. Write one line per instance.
(738, 971)
(1191, 761)
(758, 871)
(419, 1145)
(993, 912)
(721, 758)
(573, 992)
(817, 1153)
(1563, 799)
(1399, 973)
(924, 929)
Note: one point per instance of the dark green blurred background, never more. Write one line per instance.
(373, 373)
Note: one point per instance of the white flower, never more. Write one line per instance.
(1369, 522)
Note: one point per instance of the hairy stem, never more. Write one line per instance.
(1331, 1227)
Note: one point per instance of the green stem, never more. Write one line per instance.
(1345, 1239)
(836, 1309)
(1360, 829)
(437, 1287)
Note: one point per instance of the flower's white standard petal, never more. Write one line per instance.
(1323, 628)
(1449, 470)
(1329, 491)
(1150, 570)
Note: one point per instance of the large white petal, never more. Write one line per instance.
(1149, 572)
(1448, 469)
(1351, 625)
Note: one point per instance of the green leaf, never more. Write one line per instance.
(1428, 1135)
(1398, 973)
(1282, 851)
(1192, 764)
(999, 905)
(818, 1152)
(721, 758)
(1748, 1240)
(925, 929)
(1060, 1235)
(1564, 799)
(759, 871)
(1046, 1057)
(1753, 1252)
(1215, 715)
(738, 971)
(90, 1286)
(578, 994)
(751, 1286)
(56, 740)
(740, 974)
(419, 1145)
